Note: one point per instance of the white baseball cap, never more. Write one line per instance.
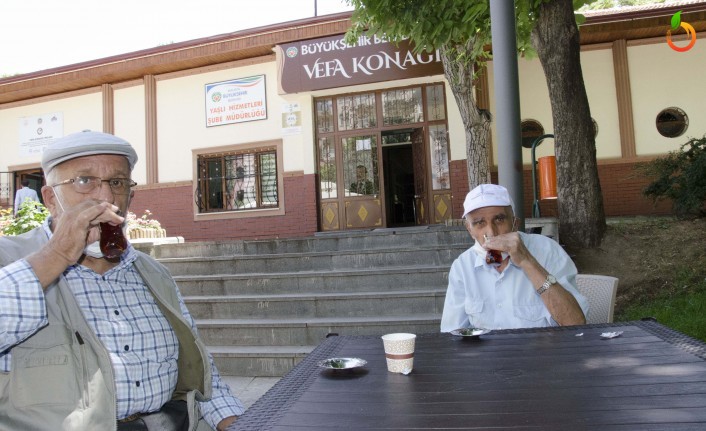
(486, 195)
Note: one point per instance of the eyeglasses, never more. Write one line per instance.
(86, 184)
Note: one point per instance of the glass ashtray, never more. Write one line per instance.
(470, 332)
(341, 363)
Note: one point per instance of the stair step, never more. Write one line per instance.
(262, 306)
(321, 261)
(257, 361)
(309, 331)
(319, 305)
(349, 280)
(323, 242)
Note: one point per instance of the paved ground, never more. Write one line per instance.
(249, 389)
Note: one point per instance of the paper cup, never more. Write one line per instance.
(399, 352)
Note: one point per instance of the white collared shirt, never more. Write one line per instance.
(480, 296)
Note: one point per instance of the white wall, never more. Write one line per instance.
(80, 112)
(599, 79)
(129, 120)
(661, 78)
(181, 122)
(457, 133)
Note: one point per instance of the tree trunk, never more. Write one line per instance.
(580, 200)
(476, 122)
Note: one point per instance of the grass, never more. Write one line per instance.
(683, 310)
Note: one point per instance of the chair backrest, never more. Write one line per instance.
(600, 291)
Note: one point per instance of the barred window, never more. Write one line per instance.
(237, 180)
(356, 111)
(360, 165)
(439, 151)
(436, 104)
(327, 168)
(402, 106)
(324, 115)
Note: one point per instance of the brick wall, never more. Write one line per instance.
(173, 207)
(621, 185)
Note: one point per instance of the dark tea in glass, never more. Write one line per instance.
(493, 257)
(113, 242)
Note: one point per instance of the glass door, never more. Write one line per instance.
(374, 160)
(361, 181)
(419, 158)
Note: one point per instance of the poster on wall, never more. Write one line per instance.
(38, 131)
(291, 119)
(236, 101)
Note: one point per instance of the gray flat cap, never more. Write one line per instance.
(86, 143)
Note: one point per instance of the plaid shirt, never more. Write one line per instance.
(124, 315)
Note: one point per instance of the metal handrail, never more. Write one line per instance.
(535, 202)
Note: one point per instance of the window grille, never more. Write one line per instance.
(236, 181)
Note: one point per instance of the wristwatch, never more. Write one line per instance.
(548, 282)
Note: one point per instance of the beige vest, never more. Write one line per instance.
(62, 377)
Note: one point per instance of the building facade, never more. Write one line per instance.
(285, 130)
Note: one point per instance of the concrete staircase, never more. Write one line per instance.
(261, 306)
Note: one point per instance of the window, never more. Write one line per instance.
(672, 122)
(439, 150)
(327, 168)
(403, 106)
(324, 115)
(360, 165)
(436, 105)
(356, 112)
(530, 130)
(238, 180)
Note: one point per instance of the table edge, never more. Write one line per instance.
(261, 416)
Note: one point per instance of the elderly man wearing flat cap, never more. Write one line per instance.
(526, 281)
(95, 343)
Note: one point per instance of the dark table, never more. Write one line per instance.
(649, 378)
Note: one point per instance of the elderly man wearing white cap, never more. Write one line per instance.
(92, 342)
(508, 279)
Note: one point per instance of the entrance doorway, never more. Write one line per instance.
(35, 178)
(383, 158)
(399, 177)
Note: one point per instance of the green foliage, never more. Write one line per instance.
(30, 215)
(448, 24)
(444, 23)
(609, 4)
(684, 310)
(681, 177)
